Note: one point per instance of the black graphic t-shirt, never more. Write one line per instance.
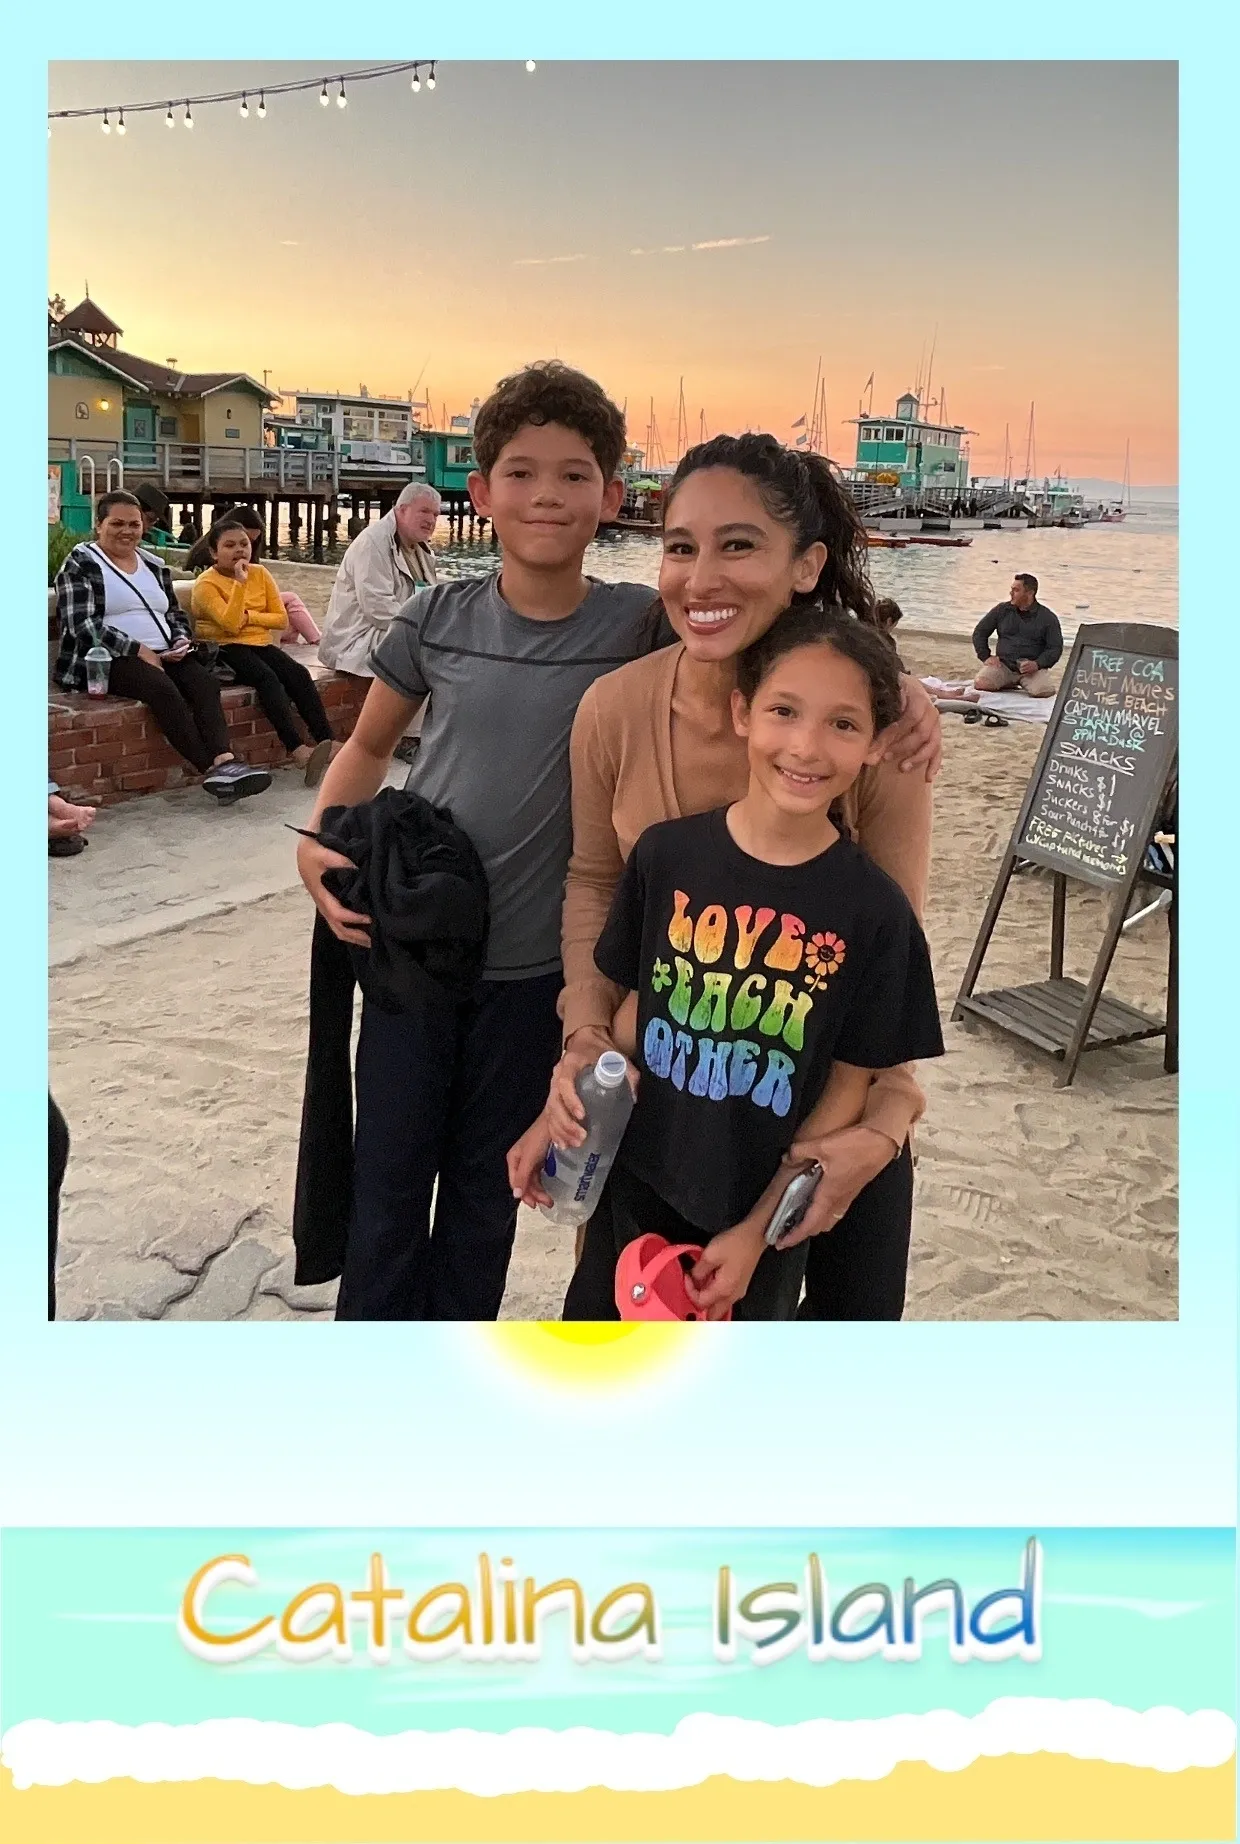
(752, 979)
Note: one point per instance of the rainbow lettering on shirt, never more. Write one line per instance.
(698, 1038)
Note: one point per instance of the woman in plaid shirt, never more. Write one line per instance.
(109, 595)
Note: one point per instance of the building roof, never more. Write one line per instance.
(87, 318)
(163, 378)
(94, 355)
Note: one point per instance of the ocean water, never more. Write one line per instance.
(1125, 572)
(1135, 1620)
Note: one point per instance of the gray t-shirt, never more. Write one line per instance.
(503, 694)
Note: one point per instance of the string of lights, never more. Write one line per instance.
(253, 99)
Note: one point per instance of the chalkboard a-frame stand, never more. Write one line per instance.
(1100, 785)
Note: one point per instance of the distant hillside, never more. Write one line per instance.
(1113, 489)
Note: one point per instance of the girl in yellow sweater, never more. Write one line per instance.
(237, 606)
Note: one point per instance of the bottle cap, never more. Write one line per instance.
(609, 1070)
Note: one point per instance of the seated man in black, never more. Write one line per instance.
(1028, 642)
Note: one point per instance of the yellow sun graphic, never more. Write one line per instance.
(592, 1355)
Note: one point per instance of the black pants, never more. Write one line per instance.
(858, 1270)
(627, 1209)
(281, 684)
(442, 1094)
(855, 1271)
(184, 699)
(57, 1162)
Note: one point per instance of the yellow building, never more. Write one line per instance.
(103, 397)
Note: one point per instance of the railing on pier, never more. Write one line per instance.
(201, 466)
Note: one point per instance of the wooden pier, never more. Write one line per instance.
(312, 489)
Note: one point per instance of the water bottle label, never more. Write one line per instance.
(586, 1179)
(549, 1162)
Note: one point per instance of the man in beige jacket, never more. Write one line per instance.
(383, 568)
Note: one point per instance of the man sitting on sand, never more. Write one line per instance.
(1028, 642)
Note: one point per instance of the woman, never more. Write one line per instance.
(749, 528)
(237, 607)
(300, 623)
(109, 595)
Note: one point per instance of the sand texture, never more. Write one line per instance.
(177, 1058)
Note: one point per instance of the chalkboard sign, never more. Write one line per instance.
(1109, 751)
(1097, 791)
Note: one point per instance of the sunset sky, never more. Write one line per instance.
(725, 222)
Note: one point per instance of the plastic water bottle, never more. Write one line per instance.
(98, 666)
(574, 1176)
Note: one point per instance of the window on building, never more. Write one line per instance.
(168, 428)
(393, 428)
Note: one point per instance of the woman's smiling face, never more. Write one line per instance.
(729, 567)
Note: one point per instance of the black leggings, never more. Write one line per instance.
(858, 1269)
(57, 1161)
(627, 1209)
(280, 683)
(184, 699)
(855, 1271)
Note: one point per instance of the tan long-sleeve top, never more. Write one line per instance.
(633, 765)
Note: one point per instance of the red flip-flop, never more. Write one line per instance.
(650, 1280)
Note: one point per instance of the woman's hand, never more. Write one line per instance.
(241, 569)
(180, 650)
(915, 739)
(565, 1114)
(849, 1158)
(724, 1270)
(150, 657)
(345, 924)
(525, 1162)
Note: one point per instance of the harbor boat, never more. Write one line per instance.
(883, 541)
(944, 543)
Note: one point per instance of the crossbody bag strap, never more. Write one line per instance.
(165, 631)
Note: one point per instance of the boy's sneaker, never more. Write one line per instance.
(233, 780)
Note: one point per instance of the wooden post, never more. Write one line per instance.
(1059, 905)
(333, 522)
(318, 531)
(273, 542)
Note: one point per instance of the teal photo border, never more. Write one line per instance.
(398, 1425)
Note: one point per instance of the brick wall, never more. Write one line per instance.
(105, 750)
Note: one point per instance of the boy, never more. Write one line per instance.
(504, 660)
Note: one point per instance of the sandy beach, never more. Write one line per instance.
(177, 1058)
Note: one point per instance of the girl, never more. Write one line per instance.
(237, 606)
(300, 623)
(772, 968)
(750, 527)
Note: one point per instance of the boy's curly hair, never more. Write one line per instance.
(550, 392)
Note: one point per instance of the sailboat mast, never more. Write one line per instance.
(1127, 473)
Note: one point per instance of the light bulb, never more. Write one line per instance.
(107, 126)
(262, 104)
(245, 107)
(189, 120)
(530, 64)
(120, 126)
(430, 81)
(342, 101)
(416, 85)
(323, 94)
(168, 121)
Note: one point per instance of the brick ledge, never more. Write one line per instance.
(108, 750)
